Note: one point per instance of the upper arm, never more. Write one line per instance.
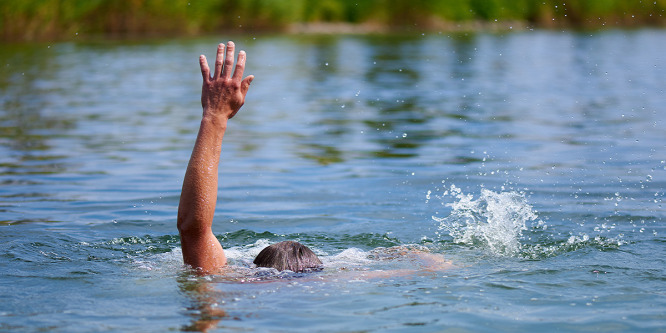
(433, 261)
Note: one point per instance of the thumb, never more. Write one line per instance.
(245, 84)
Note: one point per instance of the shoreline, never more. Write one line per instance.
(334, 28)
(338, 28)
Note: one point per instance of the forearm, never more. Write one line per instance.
(199, 194)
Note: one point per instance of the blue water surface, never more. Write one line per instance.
(533, 161)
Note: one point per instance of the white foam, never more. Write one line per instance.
(240, 255)
(246, 252)
(171, 261)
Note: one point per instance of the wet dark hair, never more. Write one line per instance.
(288, 255)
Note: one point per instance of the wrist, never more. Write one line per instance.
(221, 112)
(216, 119)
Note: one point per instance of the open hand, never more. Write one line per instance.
(224, 94)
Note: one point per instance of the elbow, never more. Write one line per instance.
(184, 224)
(181, 224)
(190, 225)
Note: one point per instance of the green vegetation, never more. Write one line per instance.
(58, 19)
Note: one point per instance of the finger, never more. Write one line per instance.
(205, 70)
(219, 60)
(228, 60)
(240, 66)
(245, 85)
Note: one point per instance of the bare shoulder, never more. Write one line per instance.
(420, 257)
(406, 260)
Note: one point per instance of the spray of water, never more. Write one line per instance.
(494, 220)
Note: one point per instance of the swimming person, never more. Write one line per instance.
(222, 95)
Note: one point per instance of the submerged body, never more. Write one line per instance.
(222, 96)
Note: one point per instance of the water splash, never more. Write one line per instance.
(497, 221)
(494, 221)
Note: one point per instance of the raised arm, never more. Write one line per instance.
(222, 95)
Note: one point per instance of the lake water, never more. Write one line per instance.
(533, 161)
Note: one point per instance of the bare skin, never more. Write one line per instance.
(222, 95)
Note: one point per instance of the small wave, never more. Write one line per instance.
(166, 262)
(149, 253)
(244, 255)
(351, 257)
(548, 249)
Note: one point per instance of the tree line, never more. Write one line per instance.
(25, 20)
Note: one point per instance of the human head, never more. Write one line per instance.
(288, 255)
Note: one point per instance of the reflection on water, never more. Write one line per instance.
(346, 143)
(204, 309)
